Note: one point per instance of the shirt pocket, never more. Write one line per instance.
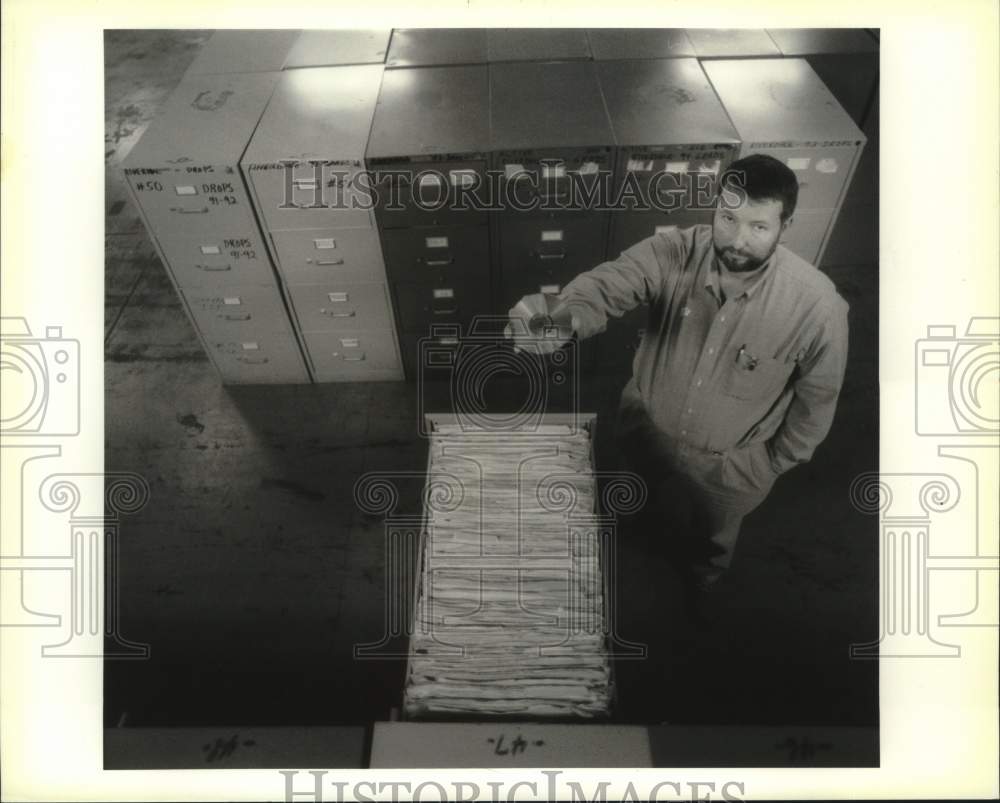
(764, 381)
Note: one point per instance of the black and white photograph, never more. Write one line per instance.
(469, 402)
(498, 398)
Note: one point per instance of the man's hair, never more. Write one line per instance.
(762, 178)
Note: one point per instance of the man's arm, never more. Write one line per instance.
(821, 374)
(617, 286)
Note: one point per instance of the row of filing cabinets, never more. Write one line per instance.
(302, 167)
(257, 185)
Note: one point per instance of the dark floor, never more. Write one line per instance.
(252, 573)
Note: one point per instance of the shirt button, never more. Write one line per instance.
(684, 432)
(697, 384)
(690, 410)
(722, 318)
(711, 351)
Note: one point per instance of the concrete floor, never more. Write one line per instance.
(251, 572)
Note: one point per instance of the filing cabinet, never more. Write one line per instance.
(550, 129)
(435, 47)
(538, 44)
(780, 107)
(639, 43)
(430, 143)
(243, 51)
(845, 59)
(673, 140)
(306, 169)
(339, 48)
(183, 176)
(731, 43)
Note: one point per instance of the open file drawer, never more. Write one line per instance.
(509, 620)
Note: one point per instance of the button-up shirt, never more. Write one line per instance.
(717, 373)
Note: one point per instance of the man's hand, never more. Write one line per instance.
(539, 324)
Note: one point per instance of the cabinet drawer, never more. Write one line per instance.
(237, 312)
(315, 256)
(429, 193)
(190, 206)
(420, 306)
(269, 358)
(288, 199)
(341, 307)
(437, 254)
(364, 355)
(536, 251)
(218, 262)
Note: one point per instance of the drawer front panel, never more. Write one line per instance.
(364, 355)
(316, 256)
(269, 358)
(237, 312)
(421, 306)
(341, 307)
(437, 254)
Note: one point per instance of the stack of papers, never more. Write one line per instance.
(509, 616)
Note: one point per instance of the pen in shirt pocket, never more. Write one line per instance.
(744, 359)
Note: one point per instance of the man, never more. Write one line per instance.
(737, 377)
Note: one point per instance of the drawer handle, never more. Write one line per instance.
(336, 314)
(446, 311)
(253, 360)
(234, 317)
(330, 262)
(354, 359)
(211, 268)
(560, 255)
(202, 211)
(437, 263)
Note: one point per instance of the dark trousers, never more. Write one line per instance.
(697, 499)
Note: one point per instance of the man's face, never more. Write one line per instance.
(745, 235)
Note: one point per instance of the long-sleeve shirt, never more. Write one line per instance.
(718, 373)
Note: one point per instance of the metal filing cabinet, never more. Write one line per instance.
(639, 43)
(183, 175)
(538, 44)
(433, 123)
(666, 119)
(339, 48)
(550, 129)
(304, 164)
(672, 135)
(435, 47)
(846, 60)
(234, 52)
(731, 43)
(780, 107)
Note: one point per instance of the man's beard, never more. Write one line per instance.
(740, 262)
